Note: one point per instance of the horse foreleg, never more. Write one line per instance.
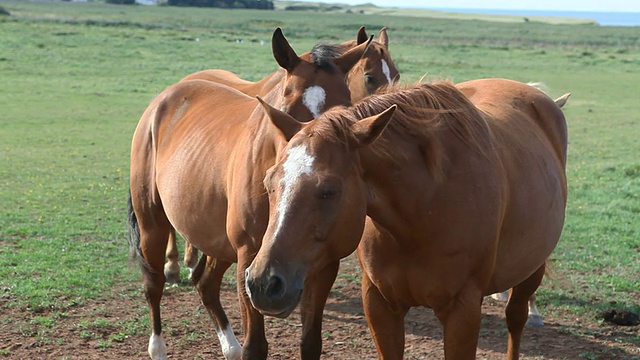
(255, 342)
(190, 257)
(172, 268)
(386, 322)
(207, 277)
(460, 319)
(517, 311)
(314, 298)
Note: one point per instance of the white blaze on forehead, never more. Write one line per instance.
(386, 70)
(313, 98)
(298, 163)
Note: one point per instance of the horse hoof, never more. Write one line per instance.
(534, 321)
(171, 276)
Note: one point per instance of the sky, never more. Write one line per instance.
(557, 5)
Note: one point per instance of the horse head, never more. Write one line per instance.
(317, 205)
(376, 68)
(316, 81)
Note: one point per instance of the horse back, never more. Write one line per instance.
(503, 98)
(224, 77)
(185, 127)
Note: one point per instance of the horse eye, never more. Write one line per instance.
(329, 194)
(369, 79)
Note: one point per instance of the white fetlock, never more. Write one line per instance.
(503, 296)
(157, 347)
(231, 348)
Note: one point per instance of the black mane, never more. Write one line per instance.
(322, 55)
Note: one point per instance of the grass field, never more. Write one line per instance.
(75, 77)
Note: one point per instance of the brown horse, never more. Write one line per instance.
(198, 157)
(374, 70)
(463, 200)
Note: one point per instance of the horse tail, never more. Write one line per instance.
(135, 251)
(133, 231)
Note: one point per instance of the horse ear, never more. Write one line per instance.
(349, 59)
(562, 100)
(383, 38)
(287, 125)
(369, 129)
(362, 36)
(283, 52)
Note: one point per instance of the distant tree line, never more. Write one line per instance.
(229, 4)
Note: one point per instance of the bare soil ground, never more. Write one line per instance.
(189, 333)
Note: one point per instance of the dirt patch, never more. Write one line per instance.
(100, 328)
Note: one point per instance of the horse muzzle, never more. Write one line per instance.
(272, 292)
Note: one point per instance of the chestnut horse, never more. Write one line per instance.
(463, 200)
(198, 157)
(374, 70)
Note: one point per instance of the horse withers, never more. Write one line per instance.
(198, 157)
(374, 70)
(458, 200)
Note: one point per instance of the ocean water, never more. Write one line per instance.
(602, 18)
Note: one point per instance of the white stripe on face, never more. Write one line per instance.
(298, 163)
(386, 71)
(313, 98)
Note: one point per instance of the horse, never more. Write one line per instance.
(447, 195)
(375, 69)
(198, 156)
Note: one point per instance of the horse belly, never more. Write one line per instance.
(531, 229)
(196, 205)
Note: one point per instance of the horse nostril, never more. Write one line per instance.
(275, 287)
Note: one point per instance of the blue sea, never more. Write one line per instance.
(602, 18)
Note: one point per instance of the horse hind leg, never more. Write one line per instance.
(190, 258)
(518, 309)
(207, 277)
(153, 243)
(534, 319)
(172, 268)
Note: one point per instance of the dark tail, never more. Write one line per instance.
(135, 252)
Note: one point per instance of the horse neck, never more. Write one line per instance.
(269, 83)
(398, 181)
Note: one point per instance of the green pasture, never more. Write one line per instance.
(75, 77)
